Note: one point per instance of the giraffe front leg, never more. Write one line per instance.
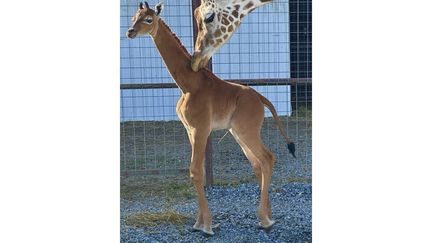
(198, 142)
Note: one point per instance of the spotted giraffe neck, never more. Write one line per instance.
(230, 14)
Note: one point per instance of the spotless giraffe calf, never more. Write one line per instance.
(208, 103)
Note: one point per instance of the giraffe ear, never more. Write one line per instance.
(159, 7)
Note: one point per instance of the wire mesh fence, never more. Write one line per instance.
(268, 52)
(152, 139)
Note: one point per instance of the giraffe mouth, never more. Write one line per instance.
(198, 61)
(131, 34)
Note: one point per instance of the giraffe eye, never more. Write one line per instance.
(148, 20)
(209, 19)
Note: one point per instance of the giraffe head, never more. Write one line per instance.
(145, 20)
(217, 20)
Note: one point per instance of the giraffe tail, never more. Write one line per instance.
(269, 105)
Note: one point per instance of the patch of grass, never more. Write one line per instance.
(252, 179)
(153, 219)
(183, 190)
(142, 187)
(298, 179)
(302, 113)
(236, 182)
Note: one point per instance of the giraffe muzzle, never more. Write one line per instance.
(198, 61)
(131, 33)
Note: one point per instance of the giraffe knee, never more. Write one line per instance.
(256, 166)
(269, 161)
(272, 158)
(195, 174)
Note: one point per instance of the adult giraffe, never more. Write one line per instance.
(217, 20)
(208, 103)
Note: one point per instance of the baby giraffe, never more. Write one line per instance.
(208, 103)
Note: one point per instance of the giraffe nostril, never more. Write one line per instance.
(131, 30)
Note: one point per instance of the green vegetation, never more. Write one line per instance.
(140, 187)
(301, 113)
(298, 179)
(236, 181)
(252, 179)
(153, 219)
(174, 189)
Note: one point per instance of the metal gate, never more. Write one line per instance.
(270, 51)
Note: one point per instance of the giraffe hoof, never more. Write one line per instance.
(266, 227)
(198, 227)
(208, 232)
(215, 226)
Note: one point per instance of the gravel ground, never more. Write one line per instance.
(235, 209)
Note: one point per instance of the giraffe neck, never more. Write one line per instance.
(242, 6)
(247, 6)
(175, 56)
(230, 13)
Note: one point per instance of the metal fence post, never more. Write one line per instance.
(209, 148)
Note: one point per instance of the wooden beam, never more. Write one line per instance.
(249, 82)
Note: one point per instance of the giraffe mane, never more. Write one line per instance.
(176, 38)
